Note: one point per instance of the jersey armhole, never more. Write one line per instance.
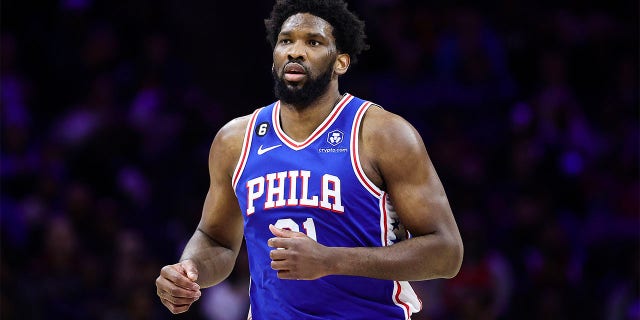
(246, 146)
(355, 154)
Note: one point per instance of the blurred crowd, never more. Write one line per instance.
(529, 112)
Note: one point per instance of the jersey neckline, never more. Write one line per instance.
(328, 121)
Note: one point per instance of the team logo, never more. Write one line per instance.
(335, 137)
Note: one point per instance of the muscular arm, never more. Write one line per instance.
(215, 244)
(210, 254)
(394, 158)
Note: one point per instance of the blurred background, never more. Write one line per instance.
(529, 110)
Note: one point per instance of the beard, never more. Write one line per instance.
(301, 96)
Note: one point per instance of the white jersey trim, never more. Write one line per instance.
(405, 298)
(331, 118)
(355, 155)
(246, 147)
(403, 295)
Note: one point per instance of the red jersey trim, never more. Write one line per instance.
(246, 146)
(275, 119)
(398, 289)
(384, 226)
(355, 156)
(384, 240)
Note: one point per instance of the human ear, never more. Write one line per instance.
(342, 63)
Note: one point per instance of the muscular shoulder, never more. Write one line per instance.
(388, 132)
(388, 143)
(227, 145)
(233, 131)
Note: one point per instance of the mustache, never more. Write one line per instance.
(298, 61)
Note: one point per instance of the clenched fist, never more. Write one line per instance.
(177, 287)
(298, 257)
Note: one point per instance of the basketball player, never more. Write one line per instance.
(336, 198)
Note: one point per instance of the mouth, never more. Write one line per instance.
(294, 72)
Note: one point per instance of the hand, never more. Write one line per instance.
(177, 287)
(297, 257)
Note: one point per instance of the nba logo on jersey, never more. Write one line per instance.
(335, 137)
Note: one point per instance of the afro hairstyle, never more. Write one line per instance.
(348, 30)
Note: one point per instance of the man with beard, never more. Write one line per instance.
(336, 198)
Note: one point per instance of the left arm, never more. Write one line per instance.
(395, 158)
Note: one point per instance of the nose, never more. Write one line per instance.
(297, 51)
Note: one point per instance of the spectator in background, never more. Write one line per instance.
(583, 187)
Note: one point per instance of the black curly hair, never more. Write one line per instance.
(348, 30)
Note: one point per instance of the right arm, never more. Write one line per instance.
(216, 242)
(210, 254)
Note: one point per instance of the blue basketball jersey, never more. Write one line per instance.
(318, 187)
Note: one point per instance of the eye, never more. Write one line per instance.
(284, 41)
(314, 43)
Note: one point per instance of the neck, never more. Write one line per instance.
(299, 122)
